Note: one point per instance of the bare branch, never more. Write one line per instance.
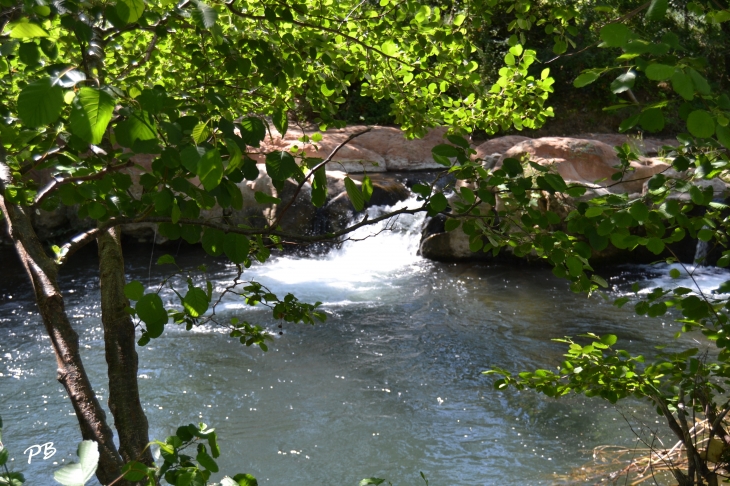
(79, 241)
(313, 170)
(56, 183)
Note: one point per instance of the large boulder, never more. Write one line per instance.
(643, 146)
(585, 161)
(379, 150)
(588, 162)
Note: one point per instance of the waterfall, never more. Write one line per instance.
(701, 251)
(370, 256)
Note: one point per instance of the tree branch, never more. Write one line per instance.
(367, 46)
(79, 241)
(313, 170)
(56, 183)
(147, 56)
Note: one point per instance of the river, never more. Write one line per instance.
(389, 386)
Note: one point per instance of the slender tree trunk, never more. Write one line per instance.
(42, 272)
(121, 353)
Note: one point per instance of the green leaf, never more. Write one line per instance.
(91, 112)
(556, 182)
(210, 169)
(451, 224)
(615, 35)
(701, 124)
(319, 187)
(575, 266)
(375, 481)
(629, 123)
(206, 461)
(129, 11)
(705, 235)
(40, 103)
(245, 480)
(138, 126)
(585, 78)
(655, 245)
(696, 195)
(624, 82)
(236, 247)
(609, 339)
(438, 202)
(723, 135)
(281, 165)
(657, 10)
(703, 87)
(204, 15)
(389, 48)
(24, 29)
(135, 471)
(134, 290)
(445, 150)
(195, 302)
(659, 72)
(281, 121)
(652, 120)
(560, 46)
(253, 131)
(263, 198)
(166, 260)
(79, 473)
(355, 195)
(674, 273)
(200, 133)
(152, 312)
(212, 241)
(639, 211)
(682, 84)
(367, 188)
(512, 167)
(190, 156)
(29, 53)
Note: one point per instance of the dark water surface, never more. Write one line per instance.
(389, 386)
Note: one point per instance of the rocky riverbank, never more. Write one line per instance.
(394, 164)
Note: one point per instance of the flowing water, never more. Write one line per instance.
(389, 386)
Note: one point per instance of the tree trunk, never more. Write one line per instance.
(42, 272)
(121, 353)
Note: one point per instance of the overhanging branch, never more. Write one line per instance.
(56, 183)
(313, 170)
(79, 241)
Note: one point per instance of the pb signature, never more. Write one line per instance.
(35, 450)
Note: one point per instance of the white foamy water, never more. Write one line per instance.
(696, 278)
(372, 257)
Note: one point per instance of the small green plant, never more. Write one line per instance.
(181, 466)
(7, 478)
(79, 473)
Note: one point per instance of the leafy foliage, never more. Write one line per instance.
(192, 86)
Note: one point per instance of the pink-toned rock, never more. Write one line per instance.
(379, 150)
(584, 161)
(498, 145)
(644, 146)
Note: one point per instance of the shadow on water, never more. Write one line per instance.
(389, 386)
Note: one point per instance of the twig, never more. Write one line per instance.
(313, 170)
(53, 185)
(79, 241)
(147, 56)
